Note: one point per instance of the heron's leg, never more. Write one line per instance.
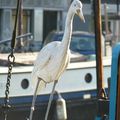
(34, 99)
(50, 100)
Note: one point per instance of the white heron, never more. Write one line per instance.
(53, 58)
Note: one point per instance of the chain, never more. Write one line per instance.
(11, 60)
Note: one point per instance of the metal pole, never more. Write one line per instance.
(106, 19)
(20, 27)
(117, 3)
(98, 33)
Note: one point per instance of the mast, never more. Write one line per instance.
(98, 34)
(102, 99)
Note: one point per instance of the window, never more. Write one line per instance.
(25, 21)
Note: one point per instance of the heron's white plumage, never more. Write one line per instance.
(53, 59)
(50, 63)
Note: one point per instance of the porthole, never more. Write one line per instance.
(25, 83)
(88, 77)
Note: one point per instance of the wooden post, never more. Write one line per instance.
(98, 33)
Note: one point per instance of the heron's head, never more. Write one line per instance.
(77, 9)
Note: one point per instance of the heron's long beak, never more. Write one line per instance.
(80, 14)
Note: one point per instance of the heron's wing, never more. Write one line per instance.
(67, 60)
(45, 54)
(42, 58)
(64, 66)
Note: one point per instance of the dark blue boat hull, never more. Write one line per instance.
(78, 108)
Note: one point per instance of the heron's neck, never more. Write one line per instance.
(68, 31)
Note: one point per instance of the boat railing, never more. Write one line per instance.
(18, 38)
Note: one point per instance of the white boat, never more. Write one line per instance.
(77, 85)
(79, 76)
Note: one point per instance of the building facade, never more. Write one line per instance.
(42, 16)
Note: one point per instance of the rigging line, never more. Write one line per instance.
(18, 37)
(15, 26)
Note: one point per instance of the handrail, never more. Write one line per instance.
(21, 36)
